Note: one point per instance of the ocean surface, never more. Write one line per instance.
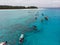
(17, 21)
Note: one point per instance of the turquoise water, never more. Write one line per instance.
(14, 22)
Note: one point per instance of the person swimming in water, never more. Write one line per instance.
(34, 27)
(46, 18)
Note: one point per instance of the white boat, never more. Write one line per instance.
(3, 43)
(21, 38)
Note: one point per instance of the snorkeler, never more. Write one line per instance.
(46, 17)
(35, 18)
(21, 39)
(34, 27)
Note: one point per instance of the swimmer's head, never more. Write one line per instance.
(6, 42)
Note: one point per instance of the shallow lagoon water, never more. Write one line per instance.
(14, 22)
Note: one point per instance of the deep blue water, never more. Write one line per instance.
(47, 33)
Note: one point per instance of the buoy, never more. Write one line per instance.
(21, 38)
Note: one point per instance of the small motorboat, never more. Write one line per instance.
(21, 39)
(3, 43)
